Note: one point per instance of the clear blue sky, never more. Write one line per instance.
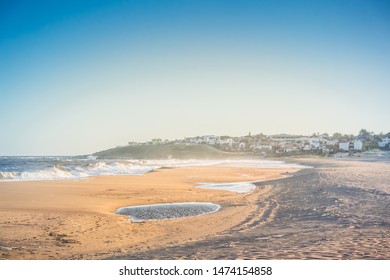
(81, 76)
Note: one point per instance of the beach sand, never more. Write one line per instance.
(337, 210)
(75, 219)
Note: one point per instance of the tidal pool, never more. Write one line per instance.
(167, 210)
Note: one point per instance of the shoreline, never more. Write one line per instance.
(75, 219)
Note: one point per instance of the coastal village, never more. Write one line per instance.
(286, 144)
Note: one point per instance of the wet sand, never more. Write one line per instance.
(76, 220)
(337, 210)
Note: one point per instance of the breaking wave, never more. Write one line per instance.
(60, 168)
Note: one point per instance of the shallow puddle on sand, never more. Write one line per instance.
(167, 211)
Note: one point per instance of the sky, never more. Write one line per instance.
(81, 76)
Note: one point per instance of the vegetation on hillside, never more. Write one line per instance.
(166, 151)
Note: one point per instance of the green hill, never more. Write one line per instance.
(165, 151)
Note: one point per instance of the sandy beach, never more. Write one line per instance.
(74, 219)
(336, 210)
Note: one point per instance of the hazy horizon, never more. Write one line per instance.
(77, 77)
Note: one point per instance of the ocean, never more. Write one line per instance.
(62, 168)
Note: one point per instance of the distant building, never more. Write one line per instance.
(289, 149)
(133, 144)
(344, 146)
(330, 142)
(357, 145)
(156, 141)
(384, 143)
(209, 139)
(192, 140)
(228, 141)
(263, 147)
(315, 143)
(306, 147)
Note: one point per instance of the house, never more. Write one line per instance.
(344, 146)
(357, 145)
(285, 138)
(306, 147)
(330, 142)
(156, 141)
(263, 147)
(212, 141)
(314, 143)
(133, 144)
(191, 140)
(289, 148)
(228, 141)
(384, 143)
(209, 139)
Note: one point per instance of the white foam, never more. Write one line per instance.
(240, 187)
(53, 173)
(4, 176)
(66, 168)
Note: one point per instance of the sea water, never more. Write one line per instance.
(60, 168)
(167, 211)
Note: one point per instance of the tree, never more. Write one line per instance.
(364, 134)
(337, 135)
(377, 138)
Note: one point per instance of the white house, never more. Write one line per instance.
(344, 146)
(191, 140)
(228, 141)
(263, 147)
(289, 149)
(209, 139)
(357, 145)
(384, 142)
(133, 144)
(306, 147)
(156, 141)
(314, 143)
(330, 142)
